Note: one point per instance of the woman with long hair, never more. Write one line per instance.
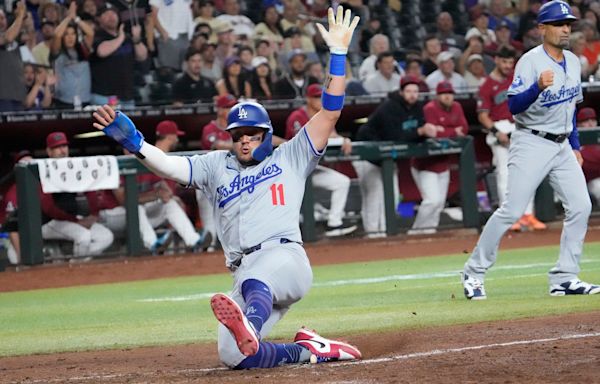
(69, 57)
(260, 81)
(233, 81)
(270, 27)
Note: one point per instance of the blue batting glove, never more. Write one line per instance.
(123, 131)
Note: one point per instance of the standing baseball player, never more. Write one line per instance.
(256, 193)
(432, 174)
(496, 119)
(542, 97)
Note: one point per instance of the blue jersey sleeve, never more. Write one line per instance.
(519, 102)
(574, 136)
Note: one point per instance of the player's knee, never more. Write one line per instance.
(510, 213)
(582, 207)
(83, 237)
(106, 236)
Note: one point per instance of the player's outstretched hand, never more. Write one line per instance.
(104, 116)
(340, 30)
(546, 79)
(117, 125)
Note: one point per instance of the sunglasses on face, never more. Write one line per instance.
(237, 137)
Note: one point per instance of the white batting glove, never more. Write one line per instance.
(340, 30)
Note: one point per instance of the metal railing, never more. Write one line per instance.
(28, 189)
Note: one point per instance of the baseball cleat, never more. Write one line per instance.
(204, 242)
(473, 287)
(229, 313)
(574, 287)
(324, 350)
(532, 223)
(516, 227)
(340, 230)
(162, 242)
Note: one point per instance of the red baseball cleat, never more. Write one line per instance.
(229, 313)
(323, 349)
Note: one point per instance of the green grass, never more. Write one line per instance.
(402, 294)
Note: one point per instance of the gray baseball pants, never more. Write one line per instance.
(531, 158)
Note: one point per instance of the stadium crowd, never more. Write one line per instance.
(68, 54)
(71, 54)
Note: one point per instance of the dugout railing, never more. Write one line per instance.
(29, 213)
(28, 187)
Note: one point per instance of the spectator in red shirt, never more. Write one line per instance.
(322, 177)
(158, 198)
(62, 217)
(586, 118)
(497, 121)
(432, 174)
(214, 135)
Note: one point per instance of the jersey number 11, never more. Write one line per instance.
(277, 194)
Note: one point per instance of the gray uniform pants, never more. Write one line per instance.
(285, 269)
(531, 158)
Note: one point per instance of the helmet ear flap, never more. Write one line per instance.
(265, 149)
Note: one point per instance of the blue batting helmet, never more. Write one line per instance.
(555, 10)
(250, 114)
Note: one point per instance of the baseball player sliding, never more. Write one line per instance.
(542, 97)
(256, 193)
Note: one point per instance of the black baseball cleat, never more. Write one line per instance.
(340, 230)
(203, 242)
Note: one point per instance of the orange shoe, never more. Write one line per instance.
(533, 223)
(516, 227)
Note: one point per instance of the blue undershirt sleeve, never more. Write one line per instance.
(521, 101)
(574, 136)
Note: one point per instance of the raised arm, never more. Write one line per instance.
(117, 125)
(322, 124)
(13, 31)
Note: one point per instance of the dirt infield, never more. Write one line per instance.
(552, 349)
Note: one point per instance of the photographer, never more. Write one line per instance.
(112, 63)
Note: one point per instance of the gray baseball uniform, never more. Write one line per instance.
(532, 158)
(260, 205)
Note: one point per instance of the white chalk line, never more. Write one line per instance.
(437, 352)
(364, 281)
(408, 356)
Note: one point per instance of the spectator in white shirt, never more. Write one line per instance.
(378, 44)
(445, 71)
(243, 27)
(475, 73)
(480, 20)
(173, 22)
(386, 79)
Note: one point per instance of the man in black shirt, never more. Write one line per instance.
(12, 90)
(293, 84)
(191, 86)
(399, 118)
(113, 60)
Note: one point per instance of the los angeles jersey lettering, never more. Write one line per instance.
(245, 196)
(554, 108)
